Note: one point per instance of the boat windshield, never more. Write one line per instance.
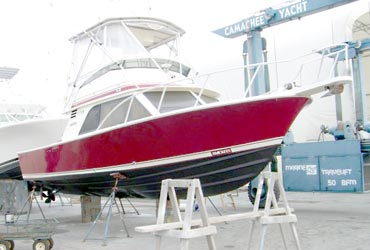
(12, 118)
(176, 100)
(140, 63)
(5, 119)
(135, 107)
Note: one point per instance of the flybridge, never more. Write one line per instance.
(274, 16)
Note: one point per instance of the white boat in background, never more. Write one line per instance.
(23, 125)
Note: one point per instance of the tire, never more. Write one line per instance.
(41, 245)
(4, 245)
(252, 192)
(51, 243)
(11, 244)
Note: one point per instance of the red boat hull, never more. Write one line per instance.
(224, 146)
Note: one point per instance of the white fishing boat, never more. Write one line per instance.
(23, 125)
(139, 114)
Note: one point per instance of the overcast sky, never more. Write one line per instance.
(35, 33)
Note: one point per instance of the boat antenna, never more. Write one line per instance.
(149, 8)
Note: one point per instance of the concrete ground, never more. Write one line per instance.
(326, 221)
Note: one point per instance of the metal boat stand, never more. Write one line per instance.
(181, 229)
(223, 203)
(215, 207)
(38, 230)
(110, 202)
(31, 197)
(131, 204)
(267, 218)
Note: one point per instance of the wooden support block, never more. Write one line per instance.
(90, 208)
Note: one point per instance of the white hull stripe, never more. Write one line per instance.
(157, 162)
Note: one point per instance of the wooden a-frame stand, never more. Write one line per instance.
(271, 214)
(185, 232)
(270, 179)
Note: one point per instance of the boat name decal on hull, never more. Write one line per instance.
(224, 151)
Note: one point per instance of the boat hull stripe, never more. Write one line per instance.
(143, 165)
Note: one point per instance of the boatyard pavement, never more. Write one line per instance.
(326, 221)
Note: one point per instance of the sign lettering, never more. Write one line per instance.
(221, 152)
(293, 10)
(265, 18)
(309, 169)
(337, 172)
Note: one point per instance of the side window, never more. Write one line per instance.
(92, 120)
(138, 111)
(118, 116)
(3, 119)
(119, 113)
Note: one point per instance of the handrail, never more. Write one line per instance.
(326, 52)
(325, 68)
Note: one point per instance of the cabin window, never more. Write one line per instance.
(92, 120)
(116, 117)
(208, 99)
(113, 113)
(138, 111)
(120, 112)
(3, 119)
(172, 100)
